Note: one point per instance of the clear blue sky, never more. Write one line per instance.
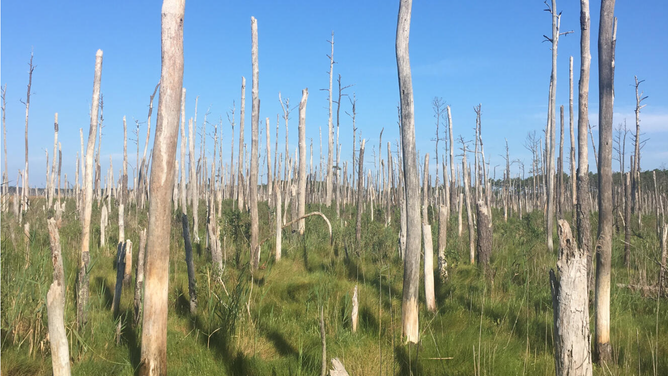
(485, 52)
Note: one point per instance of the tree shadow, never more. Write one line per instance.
(406, 356)
(283, 347)
(101, 284)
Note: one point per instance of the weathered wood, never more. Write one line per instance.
(182, 188)
(279, 222)
(360, 188)
(302, 161)
(570, 303)
(154, 328)
(664, 255)
(411, 282)
(627, 220)
(485, 234)
(323, 339)
(330, 130)
(337, 368)
(103, 226)
(442, 240)
(240, 162)
(127, 274)
(355, 311)
(583, 206)
(606, 73)
(574, 194)
(430, 297)
(139, 279)
(255, 125)
(55, 304)
(82, 284)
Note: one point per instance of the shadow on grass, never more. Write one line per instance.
(406, 356)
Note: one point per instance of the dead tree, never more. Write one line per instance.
(636, 156)
(194, 190)
(570, 303)
(330, 133)
(26, 186)
(484, 244)
(583, 207)
(606, 50)
(560, 167)
(360, 189)
(51, 190)
(627, 219)
(570, 123)
(154, 328)
(269, 183)
(182, 188)
(409, 304)
(255, 125)
(5, 174)
(279, 222)
(82, 284)
(453, 194)
(430, 297)
(302, 161)
(55, 299)
(242, 121)
(139, 279)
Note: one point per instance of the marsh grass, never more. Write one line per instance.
(499, 323)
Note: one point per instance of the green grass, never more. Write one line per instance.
(499, 323)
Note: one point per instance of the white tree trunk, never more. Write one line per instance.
(302, 161)
(55, 298)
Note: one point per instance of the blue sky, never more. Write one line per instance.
(474, 52)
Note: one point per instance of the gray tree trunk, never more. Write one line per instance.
(82, 293)
(242, 121)
(606, 74)
(139, 279)
(55, 299)
(485, 234)
(184, 205)
(360, 189)
(154, 328)
(570, 303)
(330, 133)
(442, 241)
(583, 207)
(411, 282)
(255, 125)
(574, 194)
(302, 161)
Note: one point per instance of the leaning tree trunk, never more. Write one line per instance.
(82, 285)
(55, 304)
(606, 75)
(570, 303)
(411, 283)
(255, 125)
(302, 161)
(583, 203)
(154, 329)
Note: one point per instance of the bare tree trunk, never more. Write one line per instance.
(453, 198)
(323, 369)
(269, 182)
(354, 317)
(485, 234)
(469, 213)
(139, 279)
(570, 302)
(5, 172)
(583, 203)
(103, 223)
(302, 161)
(664, 255)
(606, 39)
(560, 167)
(442, 240)
(636, 161)
(184, 205)
(279, 223)
(82, 287)
(255, 125)
(154, 329)
(60, 358)
(411, 283)
(360, 189)
(24, 198)
(242, 121)
(574, 194)
(330, 133)
(430, 297)
(120, 272)
(551, 130)
(127, 275)
(51, 181)
(194, 191)
(627, 220)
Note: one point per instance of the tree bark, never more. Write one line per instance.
(330, 133)
(411, 282)
(442, 241)
(139, 279)
(194, 190)
(485, 234)
(574, 194)
(154, 329)
(270, 186)
(606, 37)
(242, 121)
(570, 305)
(302, 161)
(627, 220)
(255, 125)
(120, 272)
(583, 203)
(82, 293)
(60, 358)
(551, 130)
(360, 189)
(184, 205)
(279, 223)
(469, 213)
(430, 297)
(354, 317)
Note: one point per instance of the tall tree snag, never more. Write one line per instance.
(411, 282)
(82, 286)
(154, 328)
(255, 125)
(302, 161)
(606, 74)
